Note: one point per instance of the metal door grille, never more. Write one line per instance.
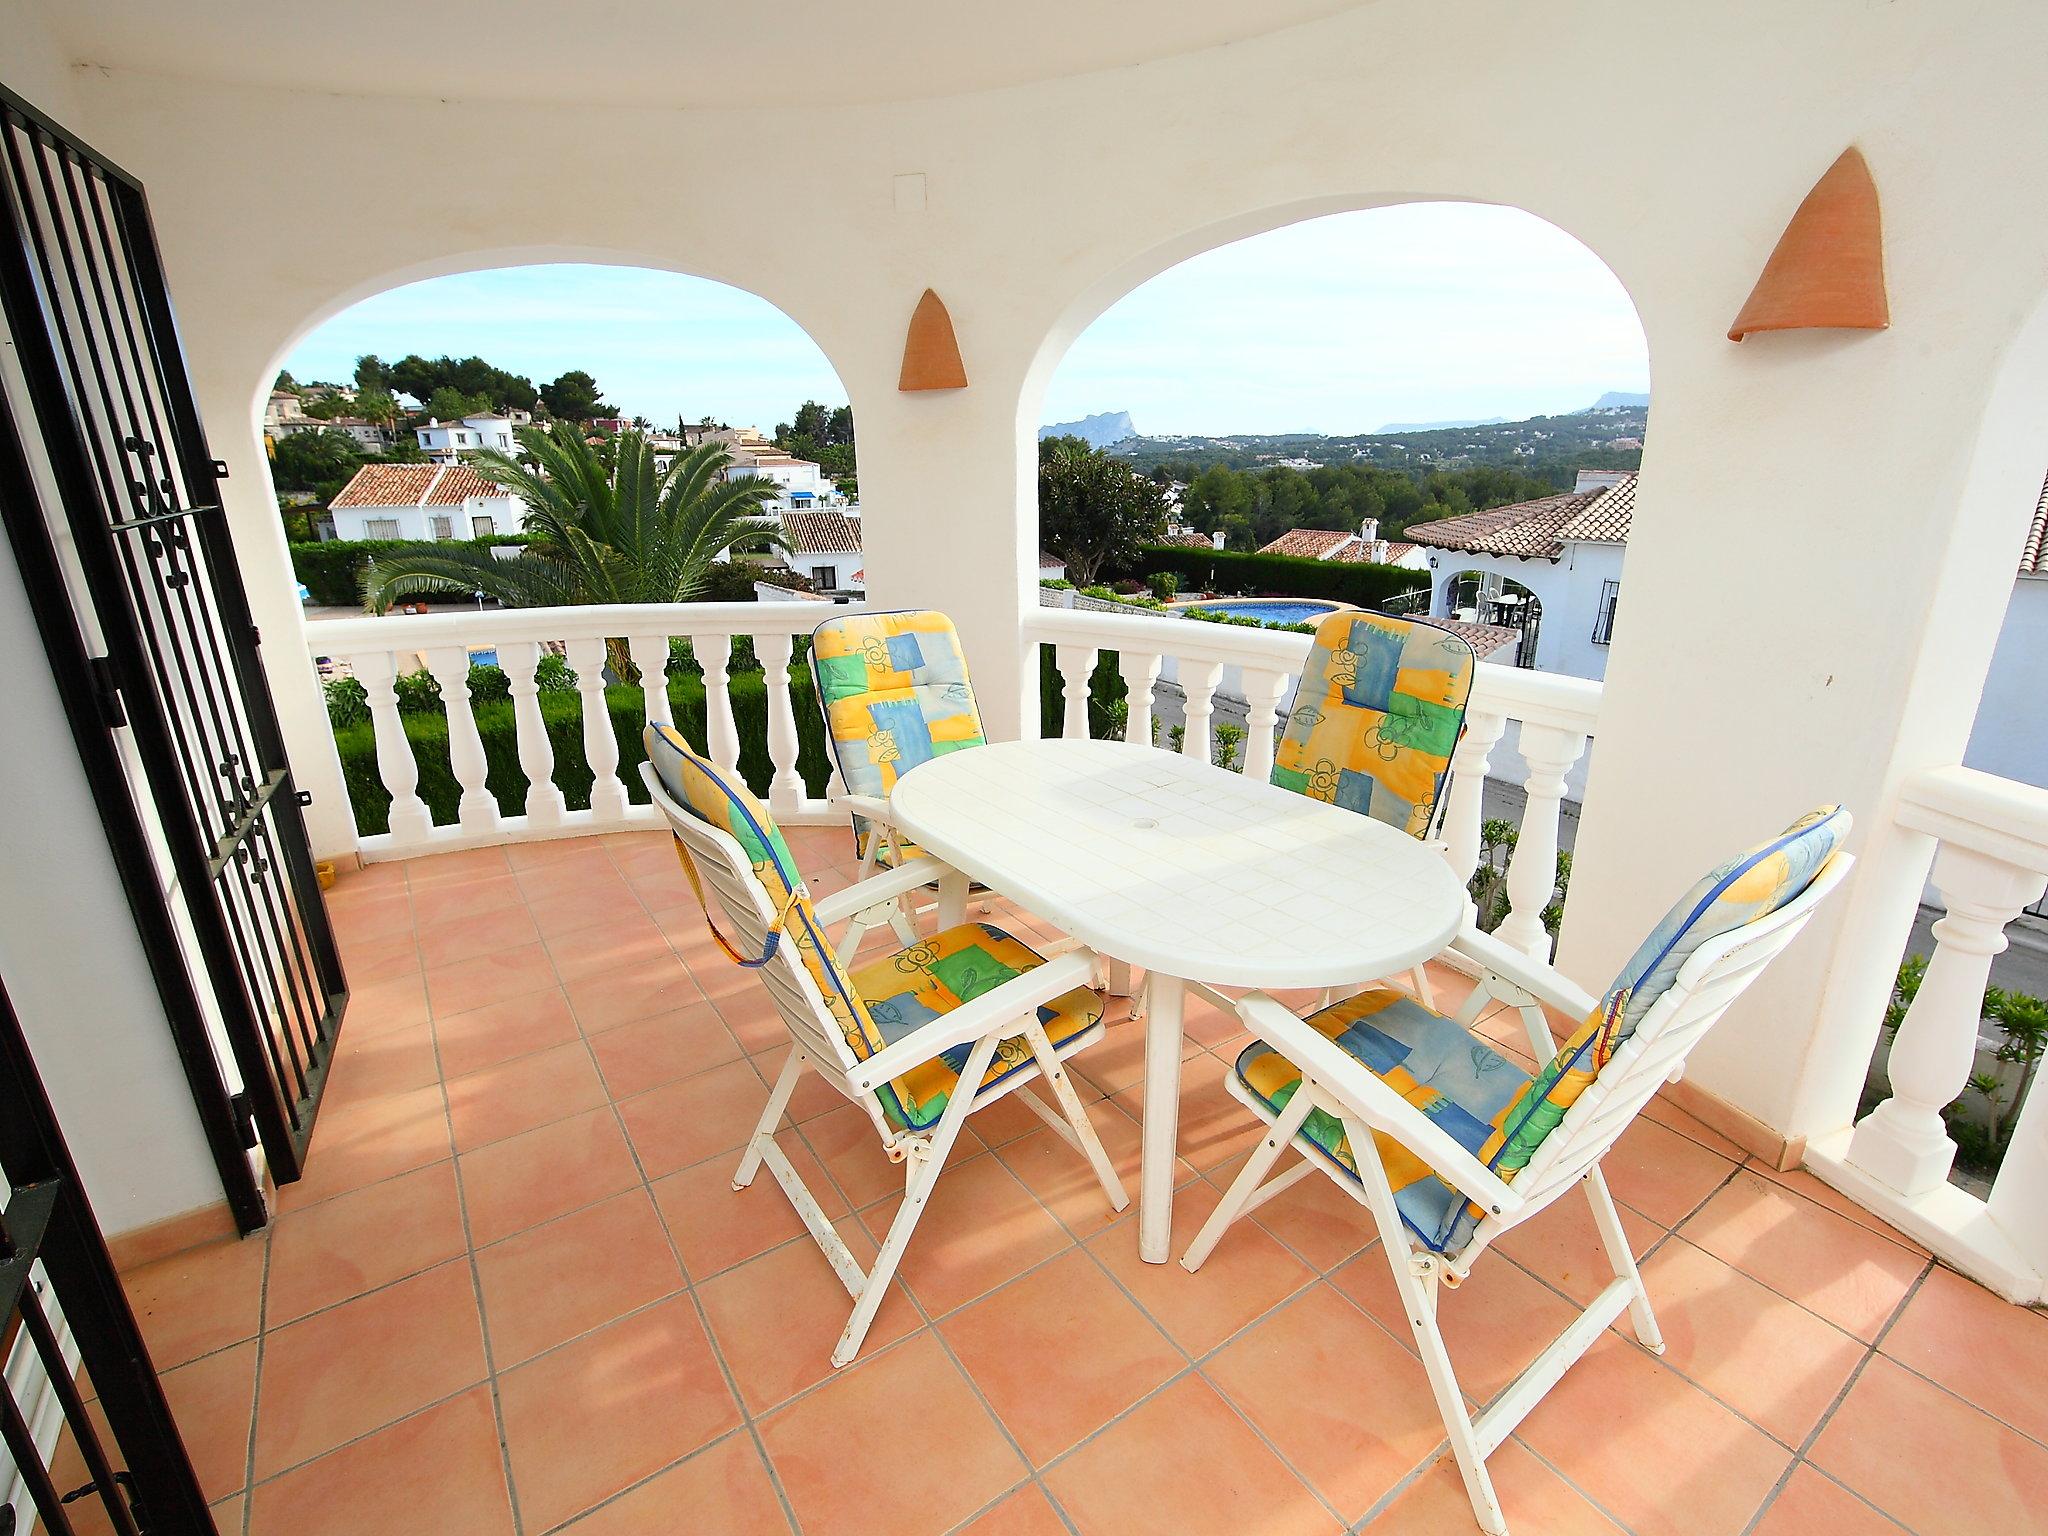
(88, 308)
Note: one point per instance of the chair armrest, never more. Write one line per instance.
(1348, 1080)
(1545, 982)
(1003, 1009)
(878, 888)
(871, 806)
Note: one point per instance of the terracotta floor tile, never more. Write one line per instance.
(474, 934)
(716, 1226)
(379, 959)
(1494, 1324)
(1560, 1245)
(228, 1516)
(1811, 1504)
(849, 1469)
(1930, 1460)
(848, 1145)
(357, 1144)
(1119, 1062)
(1828, 1264)
(1533, 1497)
(376, 1006)
(342, 1247)
(448, 901)
(1800, 1182)
(523, 1094)
(1661, 1173)
(980, 1228)
(717, 976)
(463, 865)
(1109, 1353)
(750, 1014)
(499, 1032)
(212, 1400)
(492, 978)
(524, 1180)
(599, 1414)
(777, 1318)
(693, 1118)
(564, 906)
(1023, 1513)
(1769, 1359)
(1184, 1462)
(1248, 1274)
(1981, 1347)
(1214, 1127)
(1344, 1403)
(723, 1488)
(349, 1370)
(649, 1052)
(811, 1097)
(373, 1066)
(560, 859)
(1669, 1115)
(438, 1471)
(198, 1301)
(579, 1272)
(623, 938)
(1651, 1447)
(637, 991)
(1061, 1178)
(371, 915)
(1317, 1218)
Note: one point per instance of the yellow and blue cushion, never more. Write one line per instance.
(885, 1000)
(1491, 1107)
(1376, 716)
(895, 694)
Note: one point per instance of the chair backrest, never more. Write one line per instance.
(740, 853)
(895, 693)
(1705, 953)
(1376, 716)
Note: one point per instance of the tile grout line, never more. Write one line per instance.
(256, 1383)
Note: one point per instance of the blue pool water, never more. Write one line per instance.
(1272, 610)
(482, 658)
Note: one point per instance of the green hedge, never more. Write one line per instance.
(563, 712)
(332, 571)
(1226, 570)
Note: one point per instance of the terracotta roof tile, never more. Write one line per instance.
(820, 533)
(1537, 530)
(414, 485)
(1486, 639)
(1307, 543)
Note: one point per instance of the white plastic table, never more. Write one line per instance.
(1192, 872)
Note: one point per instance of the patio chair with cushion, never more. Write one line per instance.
(896, 1036)
(1449, 1143)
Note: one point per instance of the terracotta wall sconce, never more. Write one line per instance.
(1828, 269)
(931, 354)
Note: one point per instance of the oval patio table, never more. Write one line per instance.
(1194, 873)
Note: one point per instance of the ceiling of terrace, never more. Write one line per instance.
(684, 53)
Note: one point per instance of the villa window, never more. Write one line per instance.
(1603, 622)
(825, 577)
(380, 528)
(482, 527)
(444, 527)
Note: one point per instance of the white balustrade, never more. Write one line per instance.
(1076, 664)
(1198, 680)
(1550, 751)
(1463, 810)
(1140, 670)
(376, 649)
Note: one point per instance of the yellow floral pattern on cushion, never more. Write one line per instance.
(895, 693)
(927, 981)
(886, 999)
(1375, 717)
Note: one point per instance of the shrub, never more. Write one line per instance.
(332, 572)
(1224, 570)
(1244, 620)
(1165, 585)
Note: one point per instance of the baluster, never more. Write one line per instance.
(714, 653)
(478, 810)
(600, 741)
(650, 655)
(1903, 1142)
(1467, 793)
(2020, 1193)
(411, 821)
(545, 806)
(1140, 671)
(1198, 680)
(1262, 692)
(786, 789)
(1076, 662)
(1549, 750)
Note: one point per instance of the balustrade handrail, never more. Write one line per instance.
(1999, 817)
(420, 631)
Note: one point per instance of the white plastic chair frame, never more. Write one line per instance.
(1338, 1084)
(1006, 1011)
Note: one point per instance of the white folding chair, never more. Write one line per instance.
(1433, 1174)
(898, 1035)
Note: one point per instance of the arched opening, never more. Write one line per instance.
(1485, 597)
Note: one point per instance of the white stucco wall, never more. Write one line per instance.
(2010, 736)
(1569, 590)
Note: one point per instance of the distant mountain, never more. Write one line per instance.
(1097, 431)
(1440, 426)
(1619, 400)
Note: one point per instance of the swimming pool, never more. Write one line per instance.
(1272, 610)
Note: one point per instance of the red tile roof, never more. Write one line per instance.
(820, 533)
(1537, 530)
(1307, 543)
(1486, 639)
(414, 485)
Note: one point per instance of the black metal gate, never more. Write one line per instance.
(55, 1273)
(171, 648)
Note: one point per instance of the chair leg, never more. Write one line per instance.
(771, 1117)
(1054, 1071)
(916, 1193)
(1615, 1241)
(1424, 992)
(1279, 1136)
(900, 922)
(1416, 1280)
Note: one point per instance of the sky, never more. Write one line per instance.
(1424, 312)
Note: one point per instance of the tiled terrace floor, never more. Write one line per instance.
(517, 1294)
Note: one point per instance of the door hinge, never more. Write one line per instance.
(106, 692)
(220, 469)
(244, 1109)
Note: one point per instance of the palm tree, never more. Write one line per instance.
(630, 534)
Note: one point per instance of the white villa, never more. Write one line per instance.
(824, 546)
(446, 441)
(1365, 546)
(423, 501)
